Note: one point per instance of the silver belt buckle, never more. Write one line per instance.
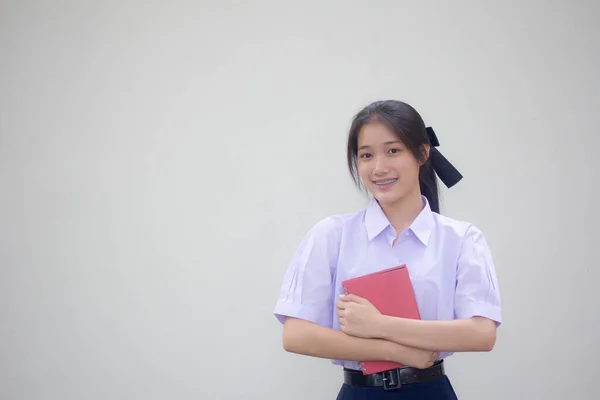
(391, 380)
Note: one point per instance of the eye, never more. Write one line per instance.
(394, 150)
(365, 155)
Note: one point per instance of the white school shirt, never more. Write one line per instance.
(449, 263)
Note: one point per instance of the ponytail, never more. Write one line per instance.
(429, 186)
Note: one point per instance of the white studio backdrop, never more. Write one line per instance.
(161, 161)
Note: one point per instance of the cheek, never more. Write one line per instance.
(364, 172)
(408, 166)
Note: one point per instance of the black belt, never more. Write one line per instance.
(395, 378)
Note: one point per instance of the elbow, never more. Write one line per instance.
(288, 341)
(483, 335)
(291, 336)
(488, 340)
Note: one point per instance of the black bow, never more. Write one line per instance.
(442, 167)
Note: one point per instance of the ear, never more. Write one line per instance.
(425, 149)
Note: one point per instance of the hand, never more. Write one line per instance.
(417, 358)
(357, 316)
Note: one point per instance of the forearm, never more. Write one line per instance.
(303, 337)
(472, 334)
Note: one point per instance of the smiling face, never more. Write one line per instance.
(387, 168)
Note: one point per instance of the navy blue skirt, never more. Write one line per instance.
(437, 389)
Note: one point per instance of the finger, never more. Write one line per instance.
(353, 297)
(341, 305)
(341, 313)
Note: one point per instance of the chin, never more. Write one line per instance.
(387, 198)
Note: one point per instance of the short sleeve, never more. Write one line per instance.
(307, 289)
(477, 292)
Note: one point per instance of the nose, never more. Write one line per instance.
(381, 167)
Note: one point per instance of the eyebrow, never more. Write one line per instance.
(386, 143)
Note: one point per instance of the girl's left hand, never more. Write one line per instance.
(357, 316)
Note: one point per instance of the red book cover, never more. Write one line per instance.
(391, 292)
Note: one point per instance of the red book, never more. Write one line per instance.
(391, 292)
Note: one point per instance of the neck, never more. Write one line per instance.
(402, 213)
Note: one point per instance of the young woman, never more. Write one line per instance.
(393, 155)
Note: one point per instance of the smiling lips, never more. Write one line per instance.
(385, 183)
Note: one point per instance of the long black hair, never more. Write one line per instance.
(408, 125)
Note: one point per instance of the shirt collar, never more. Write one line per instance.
(376, 221)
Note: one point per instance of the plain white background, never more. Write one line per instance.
(161, 161)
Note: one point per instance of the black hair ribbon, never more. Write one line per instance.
(442, 167)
